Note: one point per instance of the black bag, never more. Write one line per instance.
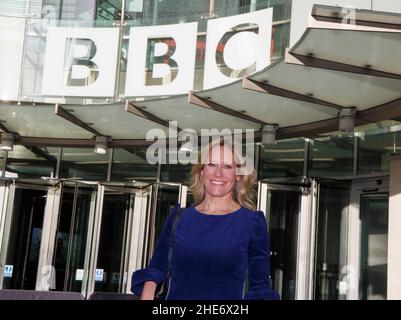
(163, 288)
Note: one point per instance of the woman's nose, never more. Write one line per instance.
(218, 171)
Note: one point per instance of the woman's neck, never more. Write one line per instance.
(218, 205)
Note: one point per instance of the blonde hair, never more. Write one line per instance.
(244, 191)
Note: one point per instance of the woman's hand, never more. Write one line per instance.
(149, 289)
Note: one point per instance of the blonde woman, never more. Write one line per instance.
(217, 242)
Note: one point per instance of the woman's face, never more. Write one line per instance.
(219, 173)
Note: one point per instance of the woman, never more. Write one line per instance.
(216, 241)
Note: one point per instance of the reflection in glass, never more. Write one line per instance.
(284, 159)
(374, 239)
(167, 198)
(129, 165)
(283, 225)
(25, 239)
(32, 162)
(112, 243)
(333, 204)
(331, 156)
(83, 163)
(176, 173)
(374, 150)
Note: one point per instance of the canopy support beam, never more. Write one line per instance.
(211, 105)
(280, 92)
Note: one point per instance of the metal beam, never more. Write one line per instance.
(308, 129)
(361, 17)
(73, 119)
(3, 127)
(209, 104)
(131, 108)
(311, 61)
(40, 153)
(280, 92)
(80, 143)
(386, 111)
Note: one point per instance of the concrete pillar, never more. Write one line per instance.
(394, 234)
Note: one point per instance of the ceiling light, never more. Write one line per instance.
(101, 144)
(7, 142)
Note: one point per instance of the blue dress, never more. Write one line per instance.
(212, 254)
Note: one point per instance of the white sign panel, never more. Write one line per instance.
(99, 274)
(11, 49)
(245, 50)
(79, 275)
(80, 62)
(168, 50)
(8, 271)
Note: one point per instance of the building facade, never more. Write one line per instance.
(72, 219)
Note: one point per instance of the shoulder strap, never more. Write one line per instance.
(171, 242)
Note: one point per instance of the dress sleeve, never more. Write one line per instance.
(259, 261)
(157, 269)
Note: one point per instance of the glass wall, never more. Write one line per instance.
(328, 157)
(32, 162)
(284, 159)
(83, 163)
(131, 164)
(331, 155)
(376, 147)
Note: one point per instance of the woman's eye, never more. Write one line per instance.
(211, 164)
(227, 166)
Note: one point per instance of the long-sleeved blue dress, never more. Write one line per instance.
(212, 254)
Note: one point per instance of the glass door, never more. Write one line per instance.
(366, 278)
(72, 240)
(374, 236)
(290, 210)
(331, 243)
(22, 231)
(119, 233)
(109, 273)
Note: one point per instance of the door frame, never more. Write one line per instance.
(136, 219)
(351, 271)
(44, 273)
(306, 234)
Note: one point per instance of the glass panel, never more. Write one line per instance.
(374, 150)
(167, 198)
(284, 159)
(374, 238)
(83, 163)
(176, 173)
(2, 163)
(332, 156)
(112, 243)
(34, 59)
(333, 204)
(25, 239)
(16, 7)
(280, 40)
(132, 165)
(283, 211)
(77, 202)
(63, 9)
(32, 162)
